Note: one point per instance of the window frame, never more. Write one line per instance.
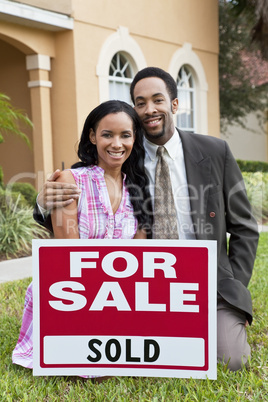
(115, 79)
(186, 72)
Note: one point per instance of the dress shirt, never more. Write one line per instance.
(175, 159)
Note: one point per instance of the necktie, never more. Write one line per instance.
(165, 218)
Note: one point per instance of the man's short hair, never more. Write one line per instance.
(155, 72)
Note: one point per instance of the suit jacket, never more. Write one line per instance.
(219, 205)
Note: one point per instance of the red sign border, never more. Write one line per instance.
(142, 370)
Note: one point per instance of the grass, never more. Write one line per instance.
(249, 384)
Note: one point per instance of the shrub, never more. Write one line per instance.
(17, 229)
(257, 191)
(27, 190)
(252, 166)
(8, 199)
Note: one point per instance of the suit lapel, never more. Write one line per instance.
(198, 172)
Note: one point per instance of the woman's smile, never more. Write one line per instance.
(116, 154)
(114, 139)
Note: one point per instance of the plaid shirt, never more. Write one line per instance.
(96, 221)
(95, 214)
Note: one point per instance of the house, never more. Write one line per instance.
(59, 59)
(251, 142)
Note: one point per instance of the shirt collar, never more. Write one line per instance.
(98, 172)
(172, 146)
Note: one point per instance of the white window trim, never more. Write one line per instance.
(193, 91)
(121, 79)
(186, 56)
(120, 41)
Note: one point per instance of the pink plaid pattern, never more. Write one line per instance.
(95, 214)
(23, 352)
(95, 221)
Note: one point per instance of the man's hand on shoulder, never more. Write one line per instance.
(57, 194)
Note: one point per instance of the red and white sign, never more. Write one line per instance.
(120, 307)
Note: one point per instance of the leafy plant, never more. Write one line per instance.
(256, 13)
(252, 166)
(27, 190)
(10, 198)
(240, 92)
(10, 119)
(17, 229)
(257, 191)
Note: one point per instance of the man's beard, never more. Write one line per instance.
(152, 137)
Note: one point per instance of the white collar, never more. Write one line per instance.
(172, 146)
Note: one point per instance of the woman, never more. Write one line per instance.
(114, 201)
(111, 177)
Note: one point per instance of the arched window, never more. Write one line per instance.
(120, 78)
(118, 42)
(186, 96)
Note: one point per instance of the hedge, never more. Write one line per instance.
(252, 166)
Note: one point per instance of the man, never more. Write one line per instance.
(210, 201)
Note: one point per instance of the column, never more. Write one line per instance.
(38, 66)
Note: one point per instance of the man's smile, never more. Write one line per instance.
(152, 122)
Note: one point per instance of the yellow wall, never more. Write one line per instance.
(59, 6)
(63, 101)
(15, 155)
(170, 21)
(27, 39)
(158, 27)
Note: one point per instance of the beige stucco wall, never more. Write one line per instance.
(64, 97)
(16, 42)
(15, 155)
(170, 21)
(28, 40)
(59, 6)
(249, 143)
(158, 28)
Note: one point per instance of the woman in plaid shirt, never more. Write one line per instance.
(114, 202)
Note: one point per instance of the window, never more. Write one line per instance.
(120, 78)
(121, 43)
(186, 96)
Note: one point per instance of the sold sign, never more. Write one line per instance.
(125, 307)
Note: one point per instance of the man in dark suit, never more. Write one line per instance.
(210, 201)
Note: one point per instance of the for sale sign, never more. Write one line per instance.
(120, 307)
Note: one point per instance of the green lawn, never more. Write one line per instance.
(18, 384)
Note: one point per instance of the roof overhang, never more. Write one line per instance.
(34, 17)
